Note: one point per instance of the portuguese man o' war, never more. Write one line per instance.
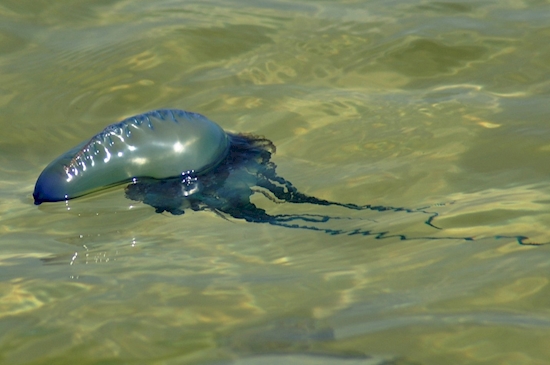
(175, 160)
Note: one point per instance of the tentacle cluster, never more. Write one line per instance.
(248, 169)
(227, 189)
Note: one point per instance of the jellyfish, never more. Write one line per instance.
(176, 161)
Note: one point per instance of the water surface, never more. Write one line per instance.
(395, 103)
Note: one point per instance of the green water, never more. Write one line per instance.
(395, 103)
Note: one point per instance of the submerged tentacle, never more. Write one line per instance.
(228, 188)
(290, 194)
(284, 190)
(248, 169)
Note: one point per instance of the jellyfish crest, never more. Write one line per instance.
(157, 144)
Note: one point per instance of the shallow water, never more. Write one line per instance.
(395, 103)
